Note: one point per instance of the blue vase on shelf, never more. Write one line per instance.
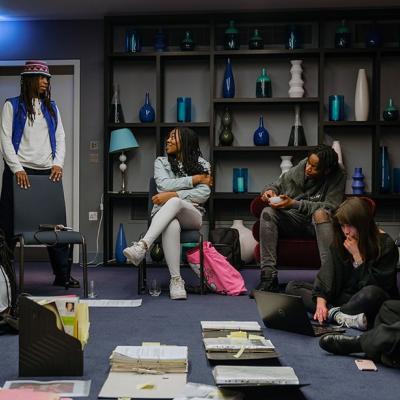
(132, 41)
(160, 41)
(120, 245)
(228, 85)
(146, 112)
(292, 38)
(261, 135)
(384, 170)
(358, 184)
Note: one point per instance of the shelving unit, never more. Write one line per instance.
(199, 73)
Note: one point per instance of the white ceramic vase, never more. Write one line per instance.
(296, 83)
(336, 146)
(286, 164)
(361, 98)
(247, 241)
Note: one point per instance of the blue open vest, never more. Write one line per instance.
(19, 119)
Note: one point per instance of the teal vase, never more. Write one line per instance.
(263, 85)
(120, 245)
(390, 113)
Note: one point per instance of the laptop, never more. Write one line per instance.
(288, 313)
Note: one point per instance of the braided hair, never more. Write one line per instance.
(188, 153)
(328, 158)
(30, 91)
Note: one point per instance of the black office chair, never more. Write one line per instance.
(43, 203)
(187, 236)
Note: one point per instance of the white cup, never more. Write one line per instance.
(275, 200)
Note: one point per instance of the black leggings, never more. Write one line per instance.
(368, 300)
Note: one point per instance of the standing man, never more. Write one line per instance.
(308, 193)
(33, 143)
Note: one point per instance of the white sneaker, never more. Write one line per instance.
(135, 253)
(358, 321)
(177, 288)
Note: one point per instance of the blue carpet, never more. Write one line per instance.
(160, 319)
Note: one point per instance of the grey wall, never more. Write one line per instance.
(81, 40)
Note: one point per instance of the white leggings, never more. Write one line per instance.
(168, 221)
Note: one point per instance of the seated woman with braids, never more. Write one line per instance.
(183, 182)
(360, 273)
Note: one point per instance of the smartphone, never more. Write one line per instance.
(366, 365)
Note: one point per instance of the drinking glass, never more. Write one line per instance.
(155, 289)
(92, 294)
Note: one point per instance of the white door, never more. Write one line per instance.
(65, 91)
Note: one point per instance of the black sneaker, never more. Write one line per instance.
(67, 283)
(270, 284)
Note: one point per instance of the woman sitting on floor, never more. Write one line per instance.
(183, 183)
(360, 274)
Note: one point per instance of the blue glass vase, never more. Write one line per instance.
(384, 170)
(146, 112)
(261, 135)
(358, 184)
(240, 178)
(160, 41)
(228, 85)
(120, 245)
(373, 38)
(132, 41)
(292, 38)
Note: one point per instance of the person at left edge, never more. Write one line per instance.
(33, 143)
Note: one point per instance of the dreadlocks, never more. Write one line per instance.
(189, 154)
(328, 158)
(29, 91)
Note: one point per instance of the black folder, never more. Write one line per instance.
(45, 350)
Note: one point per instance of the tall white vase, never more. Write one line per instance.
(247, 241)
(296, 83)
(336, 146)
(286, 164)
(361, 98)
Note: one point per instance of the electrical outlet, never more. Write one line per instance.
(92, 215)
(94, 145)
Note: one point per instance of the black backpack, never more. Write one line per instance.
(226, 241)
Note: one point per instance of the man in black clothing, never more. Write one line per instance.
(381, 344)
(307, 193)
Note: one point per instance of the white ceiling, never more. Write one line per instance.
(97, 9)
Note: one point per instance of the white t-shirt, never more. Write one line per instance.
(35, 148)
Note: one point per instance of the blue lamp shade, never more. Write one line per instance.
(122, 139)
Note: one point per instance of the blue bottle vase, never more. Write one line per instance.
(132, 41)
(228, 85)
(261, 135)
(384, 170)
(358, 184)
(120, 245)
(146, 112)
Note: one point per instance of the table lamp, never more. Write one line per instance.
(122, 140)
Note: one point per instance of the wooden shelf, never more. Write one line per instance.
(269, 52)
(280, 149)
(348, 123)
(262, 100)
(162, 54)
(389, 123)
(130, 195)
(352, 52)
(234, 196)
(187, 124)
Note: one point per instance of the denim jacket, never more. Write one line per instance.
(167, 181)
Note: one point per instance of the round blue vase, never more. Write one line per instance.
(120, 245)
(261, 135)
(146, 112)
(358, 184)
(228, 85)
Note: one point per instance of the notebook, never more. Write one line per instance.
(288, 313)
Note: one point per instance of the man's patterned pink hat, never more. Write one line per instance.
(36, 68)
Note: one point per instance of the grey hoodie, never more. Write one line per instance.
(312, 194)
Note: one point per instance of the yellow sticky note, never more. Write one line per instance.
(238, 334)
(124, 398)
(145, 386)
(151, 344)
(239, 353)
(256, 337)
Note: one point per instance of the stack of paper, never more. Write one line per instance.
(225, 328)
(150, 359)
(233, 375)
(233, 344)
(72, 317)
(198, 391)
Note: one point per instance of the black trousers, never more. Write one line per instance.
(60, 255)
(382, 343)
(368, 300)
